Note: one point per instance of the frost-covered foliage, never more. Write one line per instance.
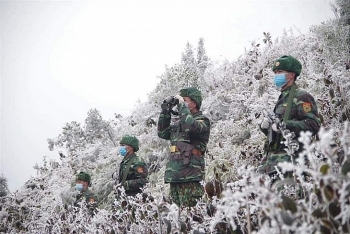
(4, 189)
(235, 95)
(315, 201)
(189, 72)
(342, 9)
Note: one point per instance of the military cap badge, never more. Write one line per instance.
(139, 170)
(307, 107)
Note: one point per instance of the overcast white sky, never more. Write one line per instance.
(61, 58)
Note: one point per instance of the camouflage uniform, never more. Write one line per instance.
(137, 174)
(89, 196)
(303, 117)
(189, 137)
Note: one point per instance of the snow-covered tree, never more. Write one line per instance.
(235, 95)
(3, 186)
(342, 9)
(97, 128)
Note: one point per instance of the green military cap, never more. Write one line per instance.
(287, 63)
(84, 177)
(194, 94)
(131, 141)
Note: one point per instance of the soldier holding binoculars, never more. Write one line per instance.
(189, 137)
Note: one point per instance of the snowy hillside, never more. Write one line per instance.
(235, 95)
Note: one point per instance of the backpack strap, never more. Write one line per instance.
(127, 170)
(286, 115)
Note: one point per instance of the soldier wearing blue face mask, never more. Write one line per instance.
(132, 173)
(83, 181)
(295, 110)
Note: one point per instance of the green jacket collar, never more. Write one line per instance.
(127, 158)
(287, 90)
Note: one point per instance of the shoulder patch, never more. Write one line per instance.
(307, 107)
(139, 169)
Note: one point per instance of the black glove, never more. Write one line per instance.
(169, 102)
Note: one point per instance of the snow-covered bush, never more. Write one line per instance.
(235, 95)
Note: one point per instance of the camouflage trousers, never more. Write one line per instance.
(186, 194)
(269, 163)
(268, 166)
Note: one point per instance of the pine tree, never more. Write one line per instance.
(202, 58)
(189, 66)
(97, 128)
(3, 186)
(94, 125)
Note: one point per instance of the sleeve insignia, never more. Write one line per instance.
(91, 200)
(307, 107)
(139, 169)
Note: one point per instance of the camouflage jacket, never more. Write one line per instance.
(193, 129)
(137, 175)
(89, 196)
(303, 117)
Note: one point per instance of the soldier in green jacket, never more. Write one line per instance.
(83, 181)
(133, 172)
(189, 136)
(301, 116)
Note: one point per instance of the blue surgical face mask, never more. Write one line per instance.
(122, 150)
(280, 80)
(79, 187)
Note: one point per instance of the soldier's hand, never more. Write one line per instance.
(181, 99)
(269, 118)
(265, 124)
(278, 125)
(270, 115)
(275, 127)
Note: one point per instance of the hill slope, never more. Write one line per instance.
(235, 94)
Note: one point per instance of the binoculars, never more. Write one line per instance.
(169, 103)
